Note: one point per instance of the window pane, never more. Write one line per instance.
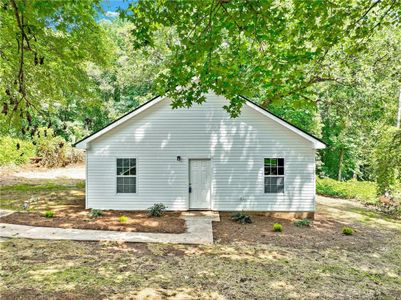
(126, 166)
(120, 185)
(267, 189)
(280, 170)
(273, 189)
(274, 162)
(274, 185)
(267, 170)
(132, 170)
(274, 171)
(132, 188)
(119, 170)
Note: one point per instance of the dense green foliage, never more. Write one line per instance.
(357, 108)
(352, 189)
(51, 150)
(45, 49)
(387, 162)
(276, 47)
(330, 68)
(15, 151)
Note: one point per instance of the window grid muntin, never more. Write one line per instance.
(126, 175)
(274, 173)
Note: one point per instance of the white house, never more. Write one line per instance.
(200, 158)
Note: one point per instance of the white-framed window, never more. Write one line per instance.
(126, 175)
(274, 175)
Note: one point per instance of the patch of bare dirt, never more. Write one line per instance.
(324, 233)
(30, 293)
(78, 218)
(11, 175)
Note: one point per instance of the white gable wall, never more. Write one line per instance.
(236, 148)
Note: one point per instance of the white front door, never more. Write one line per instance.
(199, 184)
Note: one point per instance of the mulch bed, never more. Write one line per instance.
(78, 218)
(324, 233)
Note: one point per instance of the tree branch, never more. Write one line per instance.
(366, 12)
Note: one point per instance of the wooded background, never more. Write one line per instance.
(332, 68)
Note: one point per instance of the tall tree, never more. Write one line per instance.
(263, 48)
(44, 50)
(358, 106)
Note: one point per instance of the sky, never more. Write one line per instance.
(111, 6)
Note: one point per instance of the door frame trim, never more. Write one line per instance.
(209, 158)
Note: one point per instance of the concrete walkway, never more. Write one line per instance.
(199, 231)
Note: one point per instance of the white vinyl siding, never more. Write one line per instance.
(236, 149)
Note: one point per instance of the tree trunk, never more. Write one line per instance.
(340, 164)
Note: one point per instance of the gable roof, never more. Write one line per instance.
(82, 144)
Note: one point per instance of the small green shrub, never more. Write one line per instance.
(95, 213)
(123, 219)
(303, 223)
(49, 214)
(15, 151)
(277, 227)
(348, 230)
(156, 210)
(365, 191)
(242, 218)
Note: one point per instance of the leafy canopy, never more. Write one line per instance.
(44, 50)
(268, 49)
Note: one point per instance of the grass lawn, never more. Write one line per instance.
(246, 261)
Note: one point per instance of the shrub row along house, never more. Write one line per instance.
(199, 158)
